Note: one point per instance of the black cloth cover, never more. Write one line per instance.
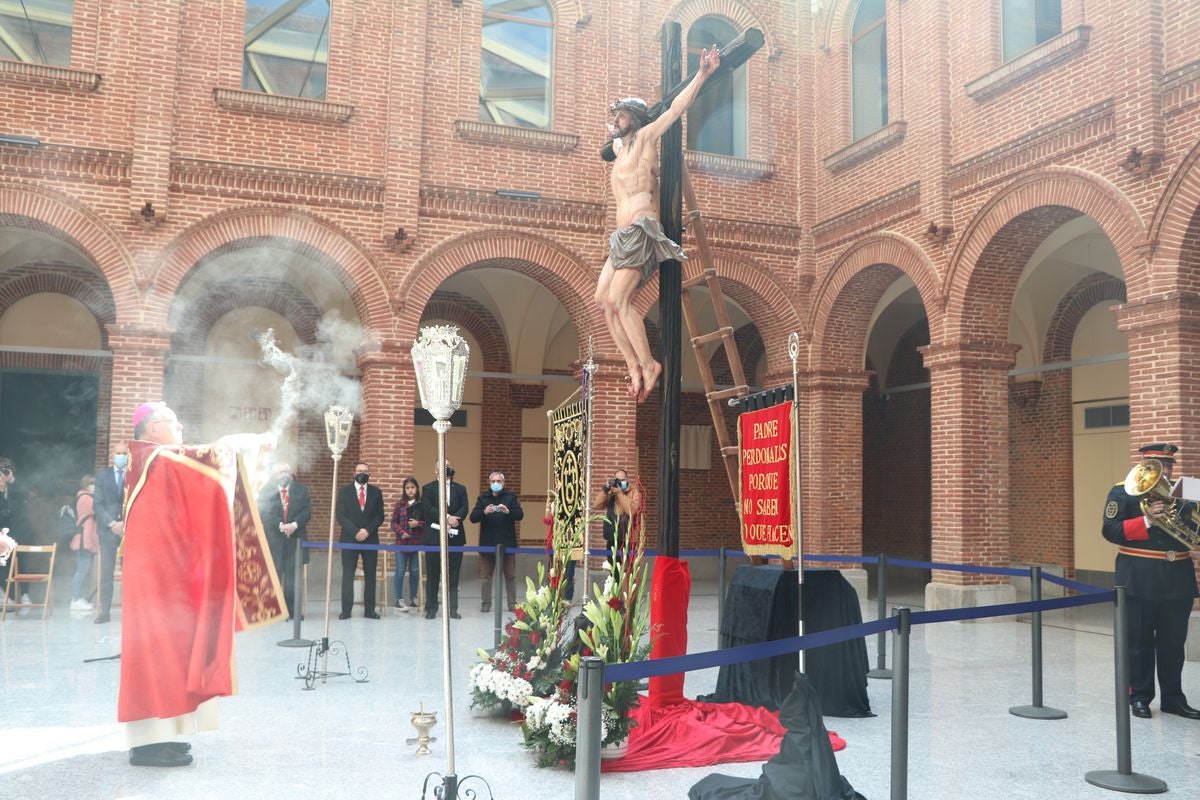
(761, 606)
(804, 768)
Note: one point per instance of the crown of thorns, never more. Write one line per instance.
(636, 107)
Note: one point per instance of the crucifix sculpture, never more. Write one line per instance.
(670, 215)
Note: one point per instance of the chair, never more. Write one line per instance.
(19, 557)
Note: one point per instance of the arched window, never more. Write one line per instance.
(515, 61)
(1027, 23)
(286, 47)
(37, 31)
(868, 69)
(716, 122)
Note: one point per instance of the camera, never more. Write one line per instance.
(613, 483)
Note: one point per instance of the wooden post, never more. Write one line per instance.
(670, 288)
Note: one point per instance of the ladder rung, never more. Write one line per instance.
(732, 450)
(725, 394)
(720, 333)
(699, 279)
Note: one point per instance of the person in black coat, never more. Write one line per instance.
(286, 507)
(359, 513)
(497, 513)
(14, 517)
(109, 507)
(456, 511)
(1160, 583)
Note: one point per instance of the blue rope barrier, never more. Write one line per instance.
(973, 568)
(1070, 584)
(1009, 609)
(636, 670)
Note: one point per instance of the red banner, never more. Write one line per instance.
(765, 438)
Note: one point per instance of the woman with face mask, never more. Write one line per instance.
(497, 512)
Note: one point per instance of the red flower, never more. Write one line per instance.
(520, 612)
(587, 651)
(615, 603)
(534, 637)
(554, 582)
(565, 685)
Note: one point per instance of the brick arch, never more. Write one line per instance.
(836, 24)
(1173, 219)
(741, 14)
(475, 317)
(77, 282)
(755, 289)
(348, 261)
(1078, 301)
(192, 331)
(984, 269)
(560, 271)
(840, 318)
(47, 211)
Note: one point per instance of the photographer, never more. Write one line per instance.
(497, 512)
(620, 501)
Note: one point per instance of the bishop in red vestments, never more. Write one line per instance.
(196, 568)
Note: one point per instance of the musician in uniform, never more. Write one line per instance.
(1160, 580)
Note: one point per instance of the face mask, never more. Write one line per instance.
(362, 477)
(624, 486)
(497, 487)
(284, 480)
(120, 460)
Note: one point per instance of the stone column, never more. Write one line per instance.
(616, 445)
(385, 422)
(969, 471)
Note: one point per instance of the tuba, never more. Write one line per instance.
(1146, 480)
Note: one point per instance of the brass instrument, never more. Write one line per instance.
(1147, 481)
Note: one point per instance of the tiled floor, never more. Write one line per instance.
(59, 738)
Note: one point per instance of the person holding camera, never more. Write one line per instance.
(497, 513)
(620, 501)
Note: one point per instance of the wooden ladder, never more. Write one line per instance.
(694, 222)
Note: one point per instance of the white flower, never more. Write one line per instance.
(535, 663)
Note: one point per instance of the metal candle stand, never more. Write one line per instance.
(338, 420)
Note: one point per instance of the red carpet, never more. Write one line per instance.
(694, 734)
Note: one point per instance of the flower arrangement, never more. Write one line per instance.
(614, 627)
(526, 662)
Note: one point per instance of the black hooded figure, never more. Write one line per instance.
(804, 768)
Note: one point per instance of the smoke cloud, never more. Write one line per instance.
(315, 375)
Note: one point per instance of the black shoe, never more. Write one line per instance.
(485, 608)
(455, 615)
(371, 615)
(344, 615)
(178, 747)
(1140, 708)
(431, 614)
(101, 618)
(1180, 709)
(158, 755)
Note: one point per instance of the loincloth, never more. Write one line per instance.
(642, 245)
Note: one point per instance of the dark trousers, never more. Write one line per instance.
(370, 561)
(283, 553)
(109, 543)
(487, 571)
(1157, 632)
(433, 580)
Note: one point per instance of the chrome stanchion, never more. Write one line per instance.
(881, 671)
(497, 596)
(1037, 710)
(590, 692)
(1124, 779)
(900, 708)
(298, 600)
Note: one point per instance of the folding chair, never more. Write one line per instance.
(16, 576)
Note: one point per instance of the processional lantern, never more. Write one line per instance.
(338, 422)
(440, 358)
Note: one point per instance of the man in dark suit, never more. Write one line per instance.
(359, 513)
(456, 510)
(110, 523)
(1160, 583)
(285, 507)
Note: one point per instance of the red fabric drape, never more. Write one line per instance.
(671, 586)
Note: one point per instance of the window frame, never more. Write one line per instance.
(279, 14)
(1006, 57)
(885, 96)
(551, 25)
(741, 76)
